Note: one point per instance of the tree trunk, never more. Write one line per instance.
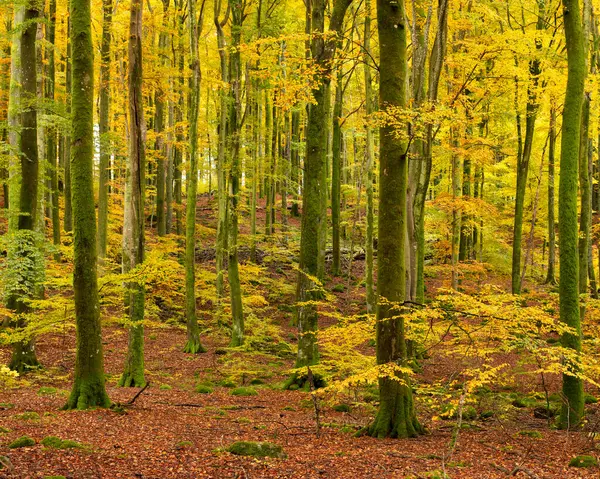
(572, 410)
(314, 188)
(104, 95)
(193, 344)
(525, 155)
(51, 134)
(551, 275)
(369, 109)
(335, 172)
(585, 216)
(133, 235)
(88, 387)
(161, 145)
(396, 416)
(235, 108)
(221, 167)
(68, 217)
(25, 243)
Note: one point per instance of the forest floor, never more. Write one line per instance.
(172, 431)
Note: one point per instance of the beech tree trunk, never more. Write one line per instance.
(133, 229)
(25, 242)
(572, 410)
(104, 95)
(89, 386)
(313, 219)
(551, 274)
(396, 416)
(193, 344)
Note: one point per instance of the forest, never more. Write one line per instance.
(299, 239)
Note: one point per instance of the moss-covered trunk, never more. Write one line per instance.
(525, 154)
(159, 126)
(315, 188)
(369, 144)
(24, 247)
(572, 410)
(551, 274)
(51, 133)
(103, 124)
(396, 416)
(585, 216)
(335, 173)
(88, 387)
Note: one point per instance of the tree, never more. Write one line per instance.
(551, 275)
(314, 166)
(524, 151)
(161, 147)
(369, 109)
(24, 258)
(51, 151)
(396, 416)
(104, 94)
(88, 386)
(193, 344)
(234, 121)
(572, 410)
(133, 229)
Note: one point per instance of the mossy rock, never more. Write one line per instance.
(256, 382)
(28, 416)
(523, 402)
(4, 430)
(533, 434)
(268, 345)
(487, 414)
(583, 461)
(301, 380)
(338, 288)
(165, 387)
(341, 408)
(203, 389)
(545, 412)
(221, 351)
(482, 391)
(244, 392)
(46, 391)
(589, 399)
(256, 449)
(58, 443)
(23, 441)
(227, 383)
(292, 387)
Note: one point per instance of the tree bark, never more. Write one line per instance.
(133, 234)
(103, 124)
(396, 416)
(88, 387)
(572, 410)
